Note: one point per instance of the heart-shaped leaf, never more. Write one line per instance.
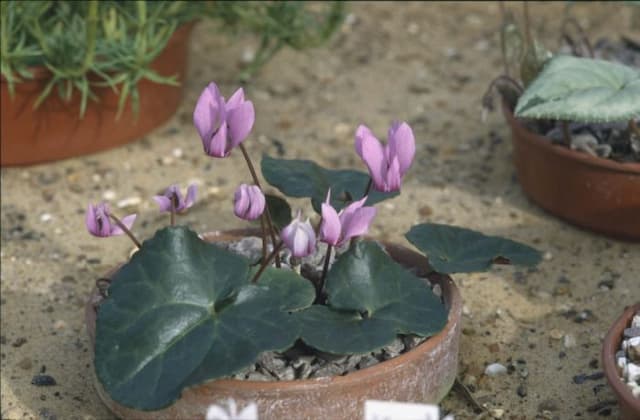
(371, 299)
(305, 178)
(453, 249)
(182, 311)
(584, 90)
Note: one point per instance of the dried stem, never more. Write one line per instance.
(266, 262)
(126, 230)
(269, 219)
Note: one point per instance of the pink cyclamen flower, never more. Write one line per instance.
(222, 125)
(387, 164)
(172, 199)
(248, 202)
(354, 220)
(99, 223)
(299, 237)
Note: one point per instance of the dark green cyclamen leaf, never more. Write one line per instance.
(294, 291)
(371, 299)
(453, 249)
(280, 210)
(179, 301)
(582, 89)
(305, 178)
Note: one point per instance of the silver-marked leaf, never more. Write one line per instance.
(371, 299)
(452, 249)
(583, 90)
(182, 311)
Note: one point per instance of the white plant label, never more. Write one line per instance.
(392, 410)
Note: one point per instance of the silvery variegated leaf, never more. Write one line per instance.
(582, 89)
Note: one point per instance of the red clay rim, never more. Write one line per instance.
(610, 346)
(542, 142)
(452, 298)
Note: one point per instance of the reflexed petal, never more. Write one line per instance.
(127, 221)
(164, 202)
(257, 202)
(218, 145)
(348, 211)
(359, 223)
(206, 113)
(236, 99)
(402, 144)
(90, 220)
(241, 202)
(373, 155)
(330, 228)
(191, 196)
(240, 122)
(393, 179)
(361, 132)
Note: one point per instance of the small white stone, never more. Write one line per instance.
(129, 202)
(45, 217)
(167, 160)
(496, 413)
(635, 389)
(495, 369)
(636, 321)
(177, 153)
(632, 372)
(569, 341)
(96, 178)
(248, 55)
(108, 195)
(548, 256)
(633, 349)
(465, 310)
(413, 28)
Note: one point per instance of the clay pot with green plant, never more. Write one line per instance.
(574, 123)
(191, 320)
(80, 77)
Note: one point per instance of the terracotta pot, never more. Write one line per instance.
(629, 406)
(55, 130)
(595, 193)
(424, 374)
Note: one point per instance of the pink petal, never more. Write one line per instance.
(393, 177)
(241, 202)
(240, 121)
(164, 202)
(373, 155)
(206, 112)
(402, 144)
(257, 201)
(191, 196)
(359, 223)
(362, 132)
(217, 147)
(330, 228)
(127, 221)
(348, 211)
(236, 99)
(90, 220)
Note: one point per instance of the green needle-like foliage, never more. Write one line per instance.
(88, 44)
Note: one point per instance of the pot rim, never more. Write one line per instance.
(610, 346)
(450, 293)
(545, 143)
(41, 72)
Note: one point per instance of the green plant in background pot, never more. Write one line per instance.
(301, 302)
(119, 63)
(574, 120)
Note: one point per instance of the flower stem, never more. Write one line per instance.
(366, 190)
(566, 134)
(173, 212)
(266, 262)
(264, 237)
(266, 208)
(325, 268)
(125, 230)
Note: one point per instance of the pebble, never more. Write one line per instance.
(556, 334)
(109, 195)
(129, 202)
(496, 413)
(45, 217)
(43, 380)
(495, 369)
(177, 153)
(569, 341)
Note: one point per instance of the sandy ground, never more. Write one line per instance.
(424, 63)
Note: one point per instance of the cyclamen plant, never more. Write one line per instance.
(183, 311)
